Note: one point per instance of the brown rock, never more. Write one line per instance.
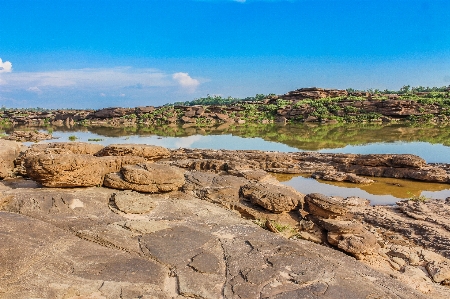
(220, 189)
(78, 147)
(324, 206)
(112, 112)
(149, 152)
(146, 177)
(356, 244)
(29, 136)
(133, 202)
(439, 271)
(275, 198)
(9, 151)
(65, 170)
(151, 173)
(337, 176)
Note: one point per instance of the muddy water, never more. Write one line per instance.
(382, 191)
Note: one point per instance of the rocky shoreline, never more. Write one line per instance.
(82, 220)
(312, 105)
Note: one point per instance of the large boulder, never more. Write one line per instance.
(332, 206)
(65, 170)
(220, 189)
(72, 170)
(275, 198)
(149, 152)
(146, 177)
(9, 151)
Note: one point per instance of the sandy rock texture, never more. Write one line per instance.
(67, 243)
(341, 166)
(149, 152)
(9, 151)
(146, 177)
(212, 224)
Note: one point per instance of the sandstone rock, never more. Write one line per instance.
(9, 151)
(133, 203)
(149, 152)
(63, 170)
(111, 112)
(220, 189)
(397, 166)
(115, 163)
(58, 167)
(275, 198)
(349, 236)
(439, 271)
(339, 226)
(254, 175)
(356, 244)
(43, 261)
(326, 207)
(202, 164)
(77, 147)
(146, 177)
(423, 223)
(30, 136)
(187, 248)
(340, 177)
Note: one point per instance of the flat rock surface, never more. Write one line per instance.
(76, 244)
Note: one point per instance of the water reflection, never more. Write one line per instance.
(430, 142)
(382, 191)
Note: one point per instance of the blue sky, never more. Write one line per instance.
(94, 54)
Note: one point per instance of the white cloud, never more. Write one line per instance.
(100, 79)
(34, 89)
(5, 67)
(185, 81)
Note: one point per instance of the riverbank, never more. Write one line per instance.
(310, 105)
(183, 223)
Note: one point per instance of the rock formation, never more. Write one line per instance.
(212, 224)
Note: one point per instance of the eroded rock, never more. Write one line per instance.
(146, 177)
(9, 151)
(275, 198)
(149, 152)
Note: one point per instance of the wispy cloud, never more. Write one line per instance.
(100, 79)
(90, 87)
(185, 81)
(5, 67)
(34, 89)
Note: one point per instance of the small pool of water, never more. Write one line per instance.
(384, 191)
